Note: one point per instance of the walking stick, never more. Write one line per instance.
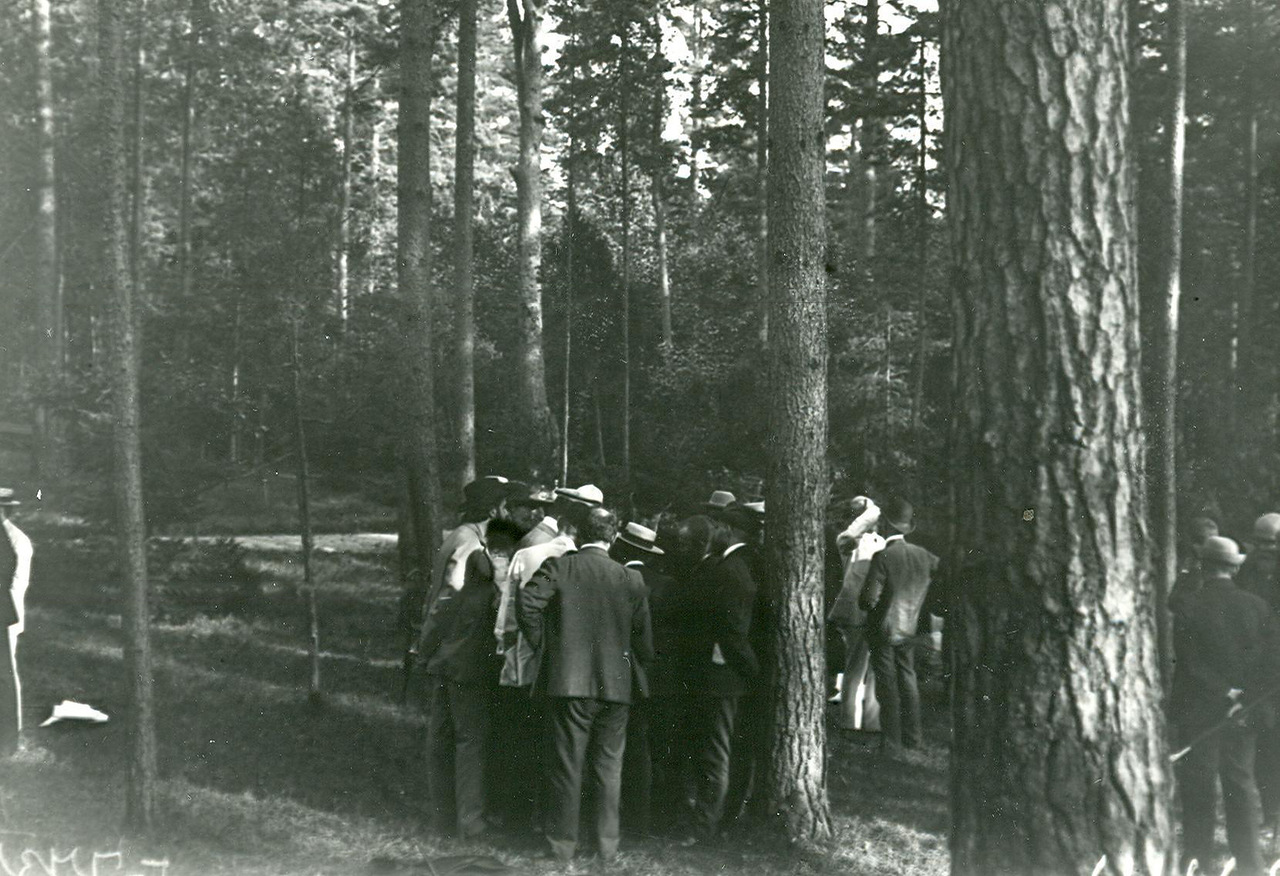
(1233, 714)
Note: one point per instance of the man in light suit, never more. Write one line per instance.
(589, 616)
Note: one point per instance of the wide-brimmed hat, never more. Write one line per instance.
(899, 514)
(8, 497)
(1219, 549)
(535, 496)
(754, 507)
(487, 492)
(640, 537)
(720, 499)
(587, 494)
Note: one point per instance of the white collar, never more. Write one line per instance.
(595, 544)
(631, 564)
(733, 548)
(897, 536)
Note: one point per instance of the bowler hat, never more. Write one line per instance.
(641, 537)
(486, 492)
(1266, 528)
(900, 515)
(7, 497)
(587, 494)
(1218, 549)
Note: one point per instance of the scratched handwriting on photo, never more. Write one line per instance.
(38, 862)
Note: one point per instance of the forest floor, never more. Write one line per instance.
(257, 780)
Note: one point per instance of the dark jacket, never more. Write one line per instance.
(725, 663)
(1223, 638)
(672, 615)
(1258, 575)
(589, 616)
(457, 635)
(8, 567)
(895, 591)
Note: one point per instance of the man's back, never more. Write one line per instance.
(895, 590)
(589, 615)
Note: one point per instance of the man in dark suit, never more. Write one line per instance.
(725, 667)
(589, 616)
(893, 596)
(456, 649)
(650, 767)
(1226, 643)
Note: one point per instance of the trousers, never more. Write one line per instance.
(1227, 755)
(586, 736)
(716, 718)
(457, 733)
(898, 692)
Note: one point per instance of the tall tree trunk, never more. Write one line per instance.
(413, 242)
(797, 464)
(1243, 385)
(47, 280)
(375, 234)
(1162, 365)
(762, 164)
(534, 412)
(463, 247)
(624, 158)
(343, 280)
(922, 249)
(871, 134)
(1058, 754)
(664, 274)
(126, 434)
(571, 242)
(303, 470)
(695, 103)
(185, 266)
(137, 154)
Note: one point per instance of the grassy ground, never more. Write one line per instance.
(258, 781)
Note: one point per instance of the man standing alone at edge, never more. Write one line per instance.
(590, 618)
(15, 573)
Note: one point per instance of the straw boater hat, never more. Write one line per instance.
(720, 499)
(7, 497)
(641, 537)
(587, 494)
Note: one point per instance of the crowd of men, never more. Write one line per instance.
(1226, 646)
(569, 660)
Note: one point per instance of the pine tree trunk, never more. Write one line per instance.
(871, 135)
(624, 158)
(1243, 387)
(185, 266)
(125, 414)
(922, 252)
(1162, 365)
(664, 273)
(47, 280)
(343, 280)
(797, 465)
(303, 470)
(762, 172)
(413, 227)
(533, 410)
(464, 330)
(1058, 754)
(571, 242)
(375, 235)
(695, 104)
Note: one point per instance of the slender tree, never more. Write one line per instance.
(624, 281)
(47, 280)
(762, 165)
(797, 473)
(125, 414)
(464, 330)
(1059, 759)
(413, 242)
(533, 410)
(302, 467)
(343, 260)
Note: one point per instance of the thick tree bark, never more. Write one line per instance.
(343, 280)
(48, 284)
(126, 434)
(533, 411)
(797, 465)
(1161, 366)
(762, 165)
(464, 330)
(1058, 755)
(413, 227)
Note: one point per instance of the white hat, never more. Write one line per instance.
(640, 537)
(587, 494)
